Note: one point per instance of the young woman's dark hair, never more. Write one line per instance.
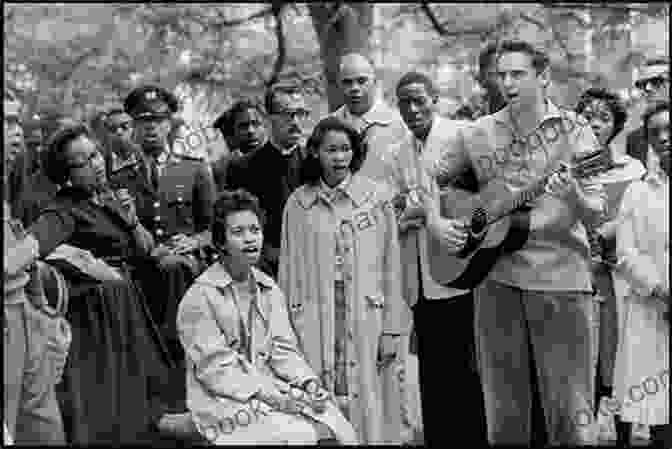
(613, 102)
(652, 110)
(311, 170)
(56, 160)
(229, 202)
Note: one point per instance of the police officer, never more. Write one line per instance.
(174, 200)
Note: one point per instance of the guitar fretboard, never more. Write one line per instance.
(588, 165)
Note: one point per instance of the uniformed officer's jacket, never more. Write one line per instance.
(183, 202)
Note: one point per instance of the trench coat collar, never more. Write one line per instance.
(358, 190)
(218, 276)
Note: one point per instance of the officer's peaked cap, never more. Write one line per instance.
(150, 102)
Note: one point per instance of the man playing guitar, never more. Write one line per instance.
(532, 313)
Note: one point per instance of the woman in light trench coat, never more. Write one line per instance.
(247, 383)
(340, 269)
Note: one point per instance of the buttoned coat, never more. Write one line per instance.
(222, 378)
(182, 204)
(307, 274)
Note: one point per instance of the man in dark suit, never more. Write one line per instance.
(654, 82)
(174, 200)
(244, 130)
(272, 172)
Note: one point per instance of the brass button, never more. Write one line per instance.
(157, 218)
(157, 204)
(159, 232)
(179, 199)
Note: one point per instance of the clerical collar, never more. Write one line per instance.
(284, 151)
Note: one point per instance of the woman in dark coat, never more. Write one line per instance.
(117, 381)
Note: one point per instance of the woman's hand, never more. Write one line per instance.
(127, 206)
(183, 244)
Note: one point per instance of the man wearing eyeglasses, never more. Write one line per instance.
(273, 171)
(654, 83)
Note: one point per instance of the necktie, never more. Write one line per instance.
(153, 174)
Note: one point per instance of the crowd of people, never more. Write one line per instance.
(283, 293)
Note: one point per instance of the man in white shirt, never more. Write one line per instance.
(443, 317)
(381, 124)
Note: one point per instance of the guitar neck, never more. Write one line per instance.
(583, 167)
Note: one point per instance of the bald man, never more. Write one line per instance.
(384, 130)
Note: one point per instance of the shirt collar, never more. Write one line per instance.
(355, 189)
(342, 186)
(379, 114)
(218, 276)
(552, 112)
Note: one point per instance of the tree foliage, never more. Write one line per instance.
(76, 55)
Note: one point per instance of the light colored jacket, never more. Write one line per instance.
(221, 381)
(556, 255)
(409, 168)
(372, 278)
(385, 129)
(643, 253)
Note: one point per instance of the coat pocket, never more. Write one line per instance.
(376, 301)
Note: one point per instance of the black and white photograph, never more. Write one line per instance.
(336, 223)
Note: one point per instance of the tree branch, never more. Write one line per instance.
(432, 19)
(282, 44)
(600, 6)
(236, 22)
(528, 18)
(443, 32)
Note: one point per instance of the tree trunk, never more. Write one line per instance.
(340, 30)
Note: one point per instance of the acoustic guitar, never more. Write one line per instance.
(498, 223)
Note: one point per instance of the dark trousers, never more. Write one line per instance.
(450, 387)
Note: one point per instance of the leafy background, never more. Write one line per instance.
(78, 58)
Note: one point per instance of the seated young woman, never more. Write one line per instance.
(247, 382)
(118, 375)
